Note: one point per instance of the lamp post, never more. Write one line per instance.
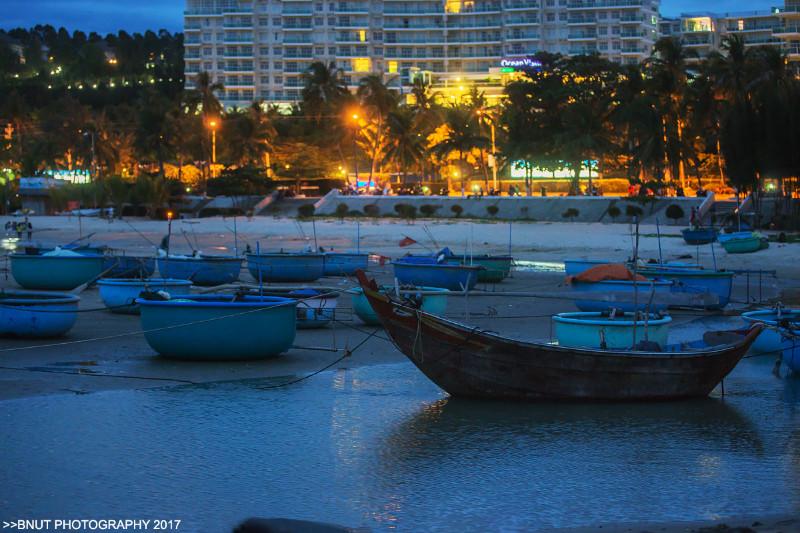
(354, 118)
(212, 125)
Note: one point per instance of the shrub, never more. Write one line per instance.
(406, 211)
(492, 210)
(342, 210)
(633, 211)
(428, 210)
(570, 213)
(306, 211)
(355, 213)
(614, 212)
(372, 210)
(674, 211)
(457, 210)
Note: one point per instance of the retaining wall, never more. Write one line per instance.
(548, 208)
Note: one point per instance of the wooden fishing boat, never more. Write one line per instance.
(204, 270)
(286, 266)
(602, 330)
(37, 314)
(55, 272)
(426, 271)
(218, 328)
(119, 295)
(743, 242)
(699, 236)
(694, 281)
(467, 361)
(344, 263)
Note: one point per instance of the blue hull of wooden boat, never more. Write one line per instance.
(344, 264)
(427, 273)
(573, 267)
(214, 328)
(435, 304)
(688, 281)
(286, 267)
(588, 330)
(644, 289)
(119, 295)
(699, 236)
(770, 340)
(37, 314)
(206, 271)
(56, 273)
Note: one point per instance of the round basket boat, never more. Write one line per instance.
(57, 273)
(316, 308)
(624, 290)
(770, 339)
(205, 270)
(435, 304)
(37, 314)
(216, 328)
(592, 329)
(286, 267)
(120, 295)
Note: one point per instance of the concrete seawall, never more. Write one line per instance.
(549, 208)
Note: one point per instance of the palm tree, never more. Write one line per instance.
(405, 144)
(461, 136)
(669, 80)
(323, 87)
(205, 89)
(378, 100)
(583, 136)
(249, 136)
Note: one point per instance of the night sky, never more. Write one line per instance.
(137, 15)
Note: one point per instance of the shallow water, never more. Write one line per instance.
(382, 447)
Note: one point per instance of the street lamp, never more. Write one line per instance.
(212, 124)
(354, 117)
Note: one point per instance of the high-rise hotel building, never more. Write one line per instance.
(259, 49)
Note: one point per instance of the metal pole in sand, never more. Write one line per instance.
(358, 236)
(235, 238)
(658, 232)
(260, 277)
(314, 227)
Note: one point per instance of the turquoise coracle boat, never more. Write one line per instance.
(743, 242)
(37, 314)
(217, 328)
(120, 295)
(600, 330)
(430, 302)
(55, 273)
(286, 267)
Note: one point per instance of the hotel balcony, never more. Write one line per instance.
(522, 36)
(787, 31)
(529, 20)
(415, 41)
(345, 8)
(395, 9)
(582, 36)
(297, 10)
(606, 4)
(789, 12)
(520, 6)
(416, 26)
(299, 27)
(581, 20)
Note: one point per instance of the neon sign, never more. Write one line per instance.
(520, 63)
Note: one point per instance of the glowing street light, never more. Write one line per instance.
(212, 124)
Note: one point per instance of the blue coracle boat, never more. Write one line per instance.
(694, 281)
(37, 314)
(425, 271)
(58, 273)
(119, 294)
(626, 288)
(216, 328)
(770, 340)
(698, 236)
(573, 267)
(618, 332)
(128, 266)
(425, 298)
(205, 270)
(286, 267)
(345, 263)
(316, 308)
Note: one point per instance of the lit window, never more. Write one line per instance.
(392, 67)
(361, 64)
(362, 35)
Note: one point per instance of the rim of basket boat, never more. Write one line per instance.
(288, 254)
(125, 282)
(16, 298)
(440, 265)
(212, 258)
(600, 320)
(203, 300)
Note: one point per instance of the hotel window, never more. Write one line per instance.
(276, 21)
(278, 64)
(278, 79)
(740, 24)
(551, 17)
